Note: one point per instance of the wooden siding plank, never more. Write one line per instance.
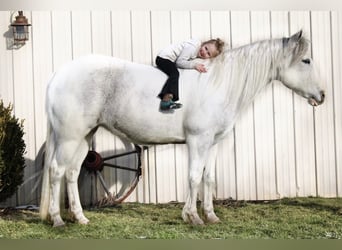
(165, 173)
(141, 37)
(121, 35)
(283, 120)
(336, 54)
(42, 72)
(324, 115)
(161, 31)
(263, 120)
(101, 32)
(150, 164)
(42, 68)
(226, 186)
(61, 38)
(200, 25)
(81, 33)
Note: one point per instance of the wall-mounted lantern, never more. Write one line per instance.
(20, 29)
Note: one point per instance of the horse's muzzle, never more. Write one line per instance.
(314, 101)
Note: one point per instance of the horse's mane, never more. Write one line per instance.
(242, 72)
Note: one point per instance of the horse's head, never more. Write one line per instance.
(299, 72)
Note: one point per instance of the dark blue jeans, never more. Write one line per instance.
(171, 85)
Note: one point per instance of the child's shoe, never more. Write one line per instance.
(167, 105)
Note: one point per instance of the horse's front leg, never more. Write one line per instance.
(209, 183)
(198, 151)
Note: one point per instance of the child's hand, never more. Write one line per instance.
(200, 68)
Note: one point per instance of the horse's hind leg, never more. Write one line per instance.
(56, 174)
(71, 175)
(61, 161)
(68, 158)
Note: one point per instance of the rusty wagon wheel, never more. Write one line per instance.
(95, 163)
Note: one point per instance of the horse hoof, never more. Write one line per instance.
(195, 220)
(212, 219)
(83, 221)
(58, 224)
(192, 218)
(186, 218)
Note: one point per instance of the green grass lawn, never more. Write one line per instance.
(300, 218)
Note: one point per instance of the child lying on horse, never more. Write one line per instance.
(181, 56)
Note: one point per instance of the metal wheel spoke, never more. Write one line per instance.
(103, 183)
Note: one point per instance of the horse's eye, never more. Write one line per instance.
(306, 61)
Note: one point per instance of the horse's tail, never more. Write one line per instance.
(48, 157)
(49, 153)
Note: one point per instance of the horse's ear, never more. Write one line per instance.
(298, 46)
(296, 37)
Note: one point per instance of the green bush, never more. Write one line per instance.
(12, 149)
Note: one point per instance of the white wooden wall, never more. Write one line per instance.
(280, 147)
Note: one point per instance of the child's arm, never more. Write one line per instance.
(185, 58)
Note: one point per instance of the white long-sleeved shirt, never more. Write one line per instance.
(182, 53)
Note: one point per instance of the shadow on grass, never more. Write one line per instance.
(333, 205)
(30, 216)
(13, 214)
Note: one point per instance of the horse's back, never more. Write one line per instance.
(99, 71)
(105, 91)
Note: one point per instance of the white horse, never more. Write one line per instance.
(121, 96)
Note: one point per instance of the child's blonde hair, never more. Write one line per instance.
(219, 44)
